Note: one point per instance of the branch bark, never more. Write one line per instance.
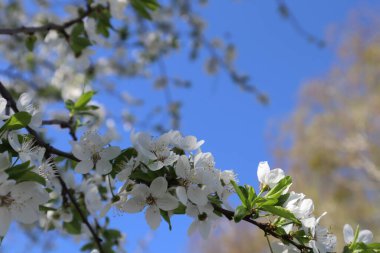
(45, 28)
(266, 227)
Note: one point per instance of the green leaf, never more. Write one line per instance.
(31, 176)
(17, 121)
(112, 234)
(375, 245)
(30, 42)
(78, 39)
(281, 186)
(166, 217)
(181, 209)
(83, 100)
(240, 213)
(18, 170)
(46, 208)
(239, 192)
(282, 212)
(142, 8)
(73, 227)
(88, 247)
(267, 202)
(23, 173)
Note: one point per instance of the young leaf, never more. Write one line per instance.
(30, 42)
(17, 121)
(239, 193)
(277, 191)
(166, 217)
(282, 212)
(240, 213)
(83, 100)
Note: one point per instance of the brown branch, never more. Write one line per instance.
(63, 124)
(241, 81)
(48, 154)
(285, 12)
(266, 227)
(50, 26)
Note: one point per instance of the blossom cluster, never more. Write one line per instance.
(165, 176)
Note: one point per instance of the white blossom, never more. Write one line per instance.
(91, 152)
(268, 177)
(364, 236)
(155, 151)
(156, 197)
(203, 219)
(20, 202)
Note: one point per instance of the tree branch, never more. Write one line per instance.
(63, 124)
(50, 26)
(266, 227)
(48, 154)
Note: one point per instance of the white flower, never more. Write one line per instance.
(187, 143)
(279, 247)
(299, 206)
(117, 8)
(20, 202)
(268, 177)
(323, 241)
(25, 103)
(3, 105)
(92, 153)
(209, 176)
(364, 236)
(92, 197)
(126, 169)
(189, 189)
(203, 219)
(156, 151)
(156, 197)
(48, 171)
(27, 150)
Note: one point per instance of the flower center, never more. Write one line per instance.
(6, 200)
(202, 216)
(95, 157)
(184, 182)
(150, 200)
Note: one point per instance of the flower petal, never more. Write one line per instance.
(365, 236)
(134, 205)
(80, 152)
(158, 187)
(167, 202)
(25, 213)
(348, 233)
(13, 141)
(110, 153)
(140, 190)
(204, 229)
(262, 171)
(197, 195)
(181, 194)
(193, 227)
(103, 167)
(5, 220)
(83, 167)
(153, 217)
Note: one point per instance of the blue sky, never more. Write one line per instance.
(233, 124)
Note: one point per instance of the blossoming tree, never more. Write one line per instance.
(164, 176)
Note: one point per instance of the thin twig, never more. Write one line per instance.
(50, 26)
(266, 227)
(63, 124)
(48, 154)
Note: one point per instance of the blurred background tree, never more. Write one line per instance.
(331, 142)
